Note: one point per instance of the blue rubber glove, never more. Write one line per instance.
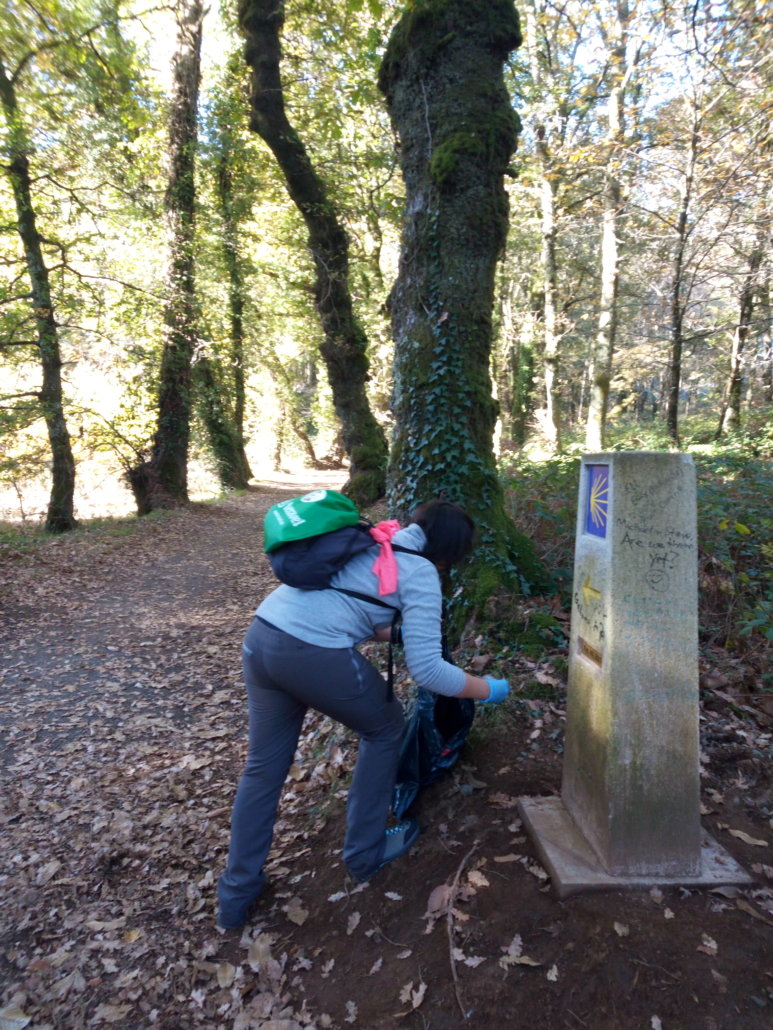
(499, 691)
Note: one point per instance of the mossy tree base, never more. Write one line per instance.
(442, 76)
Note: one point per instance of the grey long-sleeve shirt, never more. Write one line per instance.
(330, 619)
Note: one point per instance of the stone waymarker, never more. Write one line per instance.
(629, 812)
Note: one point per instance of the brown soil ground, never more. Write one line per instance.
(123, 734)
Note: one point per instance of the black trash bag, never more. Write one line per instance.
(433, 739)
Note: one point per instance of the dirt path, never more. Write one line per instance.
(123, 733)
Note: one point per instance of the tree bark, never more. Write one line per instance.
(551, 353)
(60, 515)
(442, 75)
(731, 415)
(345, 345)
(605, 338)
(236, 310)
(504, 364)
(279, 438)
(230, 461)
(524, 368)
(677, 280)
(766, 336)
(163, 481)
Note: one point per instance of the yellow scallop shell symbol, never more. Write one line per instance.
(598, 499)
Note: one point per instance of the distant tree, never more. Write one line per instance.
(62, 68)
(224, 189)
(616, 40)
(558, 92)
(750, 288)
(765, 333)
(162, 481)
(60, 516)
(345, 345)
(680, 291)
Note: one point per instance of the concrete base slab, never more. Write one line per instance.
(575, 869)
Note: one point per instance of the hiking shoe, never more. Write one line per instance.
(231, 922)
(233, 918)
(398, 840)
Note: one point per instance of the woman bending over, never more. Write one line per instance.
(300, 652)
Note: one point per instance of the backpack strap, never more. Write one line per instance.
(365, 597)
(395, 618)
(408, 550)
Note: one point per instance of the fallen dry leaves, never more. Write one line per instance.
(708, 945)
(415, 997)
(123, 703)
(126, 719)
(740, 835)
(513, 954)
(744, 906)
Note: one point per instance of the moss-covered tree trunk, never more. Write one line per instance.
(442, 76)
(345, 344)
(238, 457)
(162, 482)
(60, 515)
(227, 449)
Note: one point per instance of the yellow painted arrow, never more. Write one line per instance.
(589, 591)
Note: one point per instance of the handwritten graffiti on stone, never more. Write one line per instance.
(663, 546)
(593, 615)
(660, 490)
(660, 565)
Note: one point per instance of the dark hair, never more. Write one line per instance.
(449, 531)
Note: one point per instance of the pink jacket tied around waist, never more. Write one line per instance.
(385, 566)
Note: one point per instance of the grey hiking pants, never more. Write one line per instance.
(285, 677)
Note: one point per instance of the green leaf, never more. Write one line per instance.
(742, 529)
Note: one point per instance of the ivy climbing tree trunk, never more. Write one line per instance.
(60, 515)
(442, 78)
(345, 345)
(607, 327)
(233, 470)
(162, 482)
